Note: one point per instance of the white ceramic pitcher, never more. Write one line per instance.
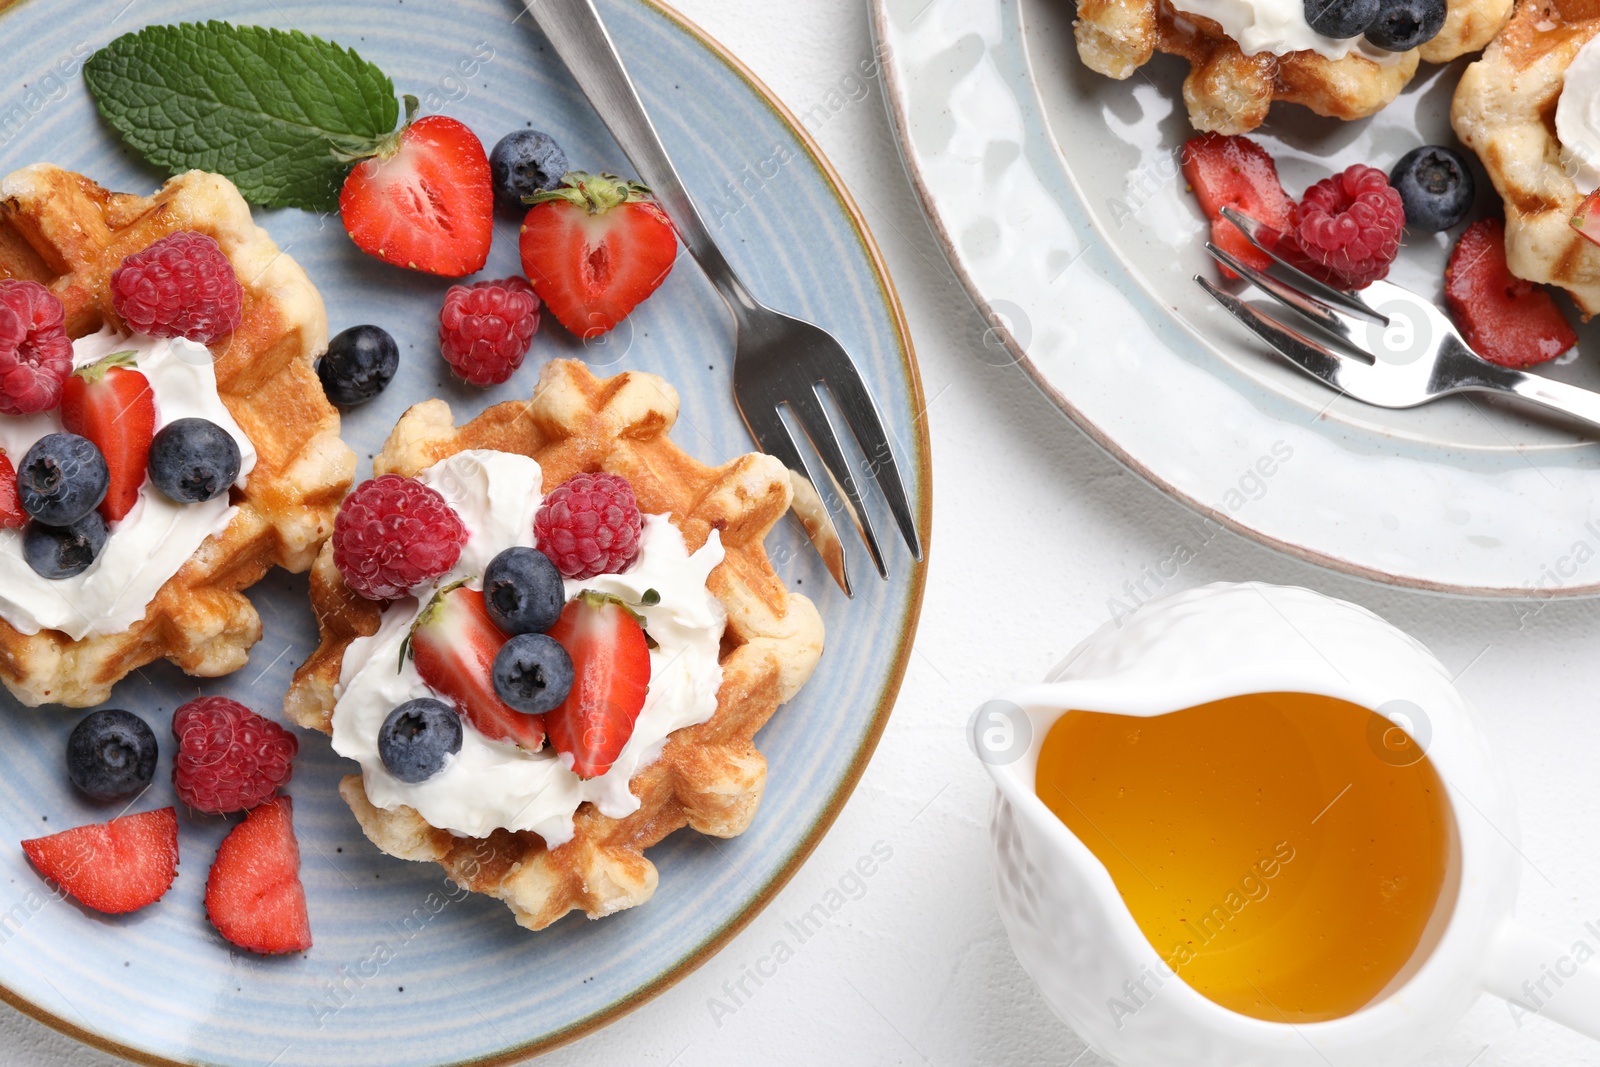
(1073, 933)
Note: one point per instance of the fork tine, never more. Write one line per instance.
(818, 425)
(861, 413)
(1312, 357)
(774, 438)
(1254, 232)
(1309, 306)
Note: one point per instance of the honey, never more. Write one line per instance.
(1284, 853)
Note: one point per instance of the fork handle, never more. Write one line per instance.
(1569, 399)
(579, 36)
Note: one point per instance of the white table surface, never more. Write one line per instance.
(917, 970)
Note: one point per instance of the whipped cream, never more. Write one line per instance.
(1280, 27)
(150, 543)
(493, 784)
(1578, 118)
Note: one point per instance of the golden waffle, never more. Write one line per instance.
(1504, 110)
(710, 776)
(1227, 91)
(63, 230)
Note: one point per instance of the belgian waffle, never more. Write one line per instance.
(66, 232)
(709, 777)
(1504, 111)
(1229, 92)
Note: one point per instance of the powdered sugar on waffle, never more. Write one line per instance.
(489, 784)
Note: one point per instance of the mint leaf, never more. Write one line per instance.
(279, 113)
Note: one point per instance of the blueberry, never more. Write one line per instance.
(63, 551)
(1402, 25)
(111, 754)
(62, 478)
(532, 673)
(359, 364)
(417, 737)
(1341, 18)
(1435, 186)
(522, 591)
(193, 460)
(523, 163)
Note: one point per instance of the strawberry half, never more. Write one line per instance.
(425, 201)
(12, 516)
(110, 403)
(1587, 219)
(254, 896)
(594, 247)
(1505, 319)
(611, 674)
(114, 867)
(453, 643)
(1236, 172)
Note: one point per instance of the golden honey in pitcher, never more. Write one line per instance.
(1280, 851)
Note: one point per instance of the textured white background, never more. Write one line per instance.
(1034, 530)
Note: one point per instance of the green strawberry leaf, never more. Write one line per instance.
(281, 114)
(595, 193)
(98, 369)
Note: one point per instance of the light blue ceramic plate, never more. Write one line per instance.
(395, 976)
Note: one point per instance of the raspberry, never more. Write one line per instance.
(35, 352)
(485, 329)
(1349, 226)
(229, 758)
(589, 525)
(393, 534)
(181, 286)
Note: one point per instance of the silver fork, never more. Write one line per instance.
(779, 360)
(1414, 353)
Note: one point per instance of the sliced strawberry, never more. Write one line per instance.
(114, 867)
(253, 894)
(1236, 172)
(425, 201)
(611, 674)
(453, 643)
(1587, 219)
(594, 247)
(110, 403)
(12, 516)
(1505, 319)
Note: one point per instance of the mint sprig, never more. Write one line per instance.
(281, 114)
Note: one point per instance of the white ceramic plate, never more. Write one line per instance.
(1056, 195)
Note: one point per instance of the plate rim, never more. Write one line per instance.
(845, 788)
(896, 100)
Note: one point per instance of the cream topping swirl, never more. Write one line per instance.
(1578, 118)
(149, 544)
(1280, 27)
(492, 784)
